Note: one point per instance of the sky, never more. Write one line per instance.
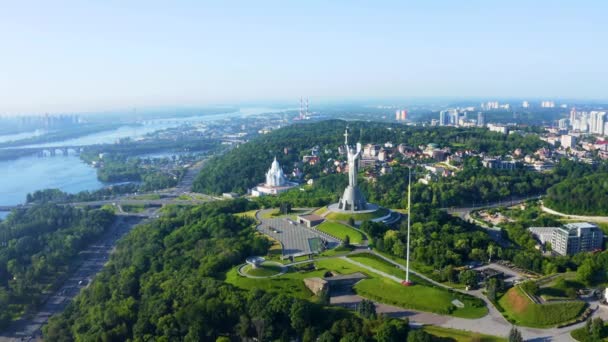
(62, 56)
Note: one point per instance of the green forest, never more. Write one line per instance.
(244, 167)
(165, 283)
(581, 195)
(37, 248)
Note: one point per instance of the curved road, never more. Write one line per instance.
(493, 324)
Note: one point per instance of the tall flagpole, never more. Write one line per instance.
(409, 214)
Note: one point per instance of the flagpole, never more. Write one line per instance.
(409, 214)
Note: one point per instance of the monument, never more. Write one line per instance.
(352, 199)
(275, 182)
(353, 203)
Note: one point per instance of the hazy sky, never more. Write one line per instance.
(95, 55)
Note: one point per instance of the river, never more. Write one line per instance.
(69, 173)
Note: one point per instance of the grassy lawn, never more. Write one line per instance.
(357, 217)
(250, 214)
(340, 231)
(290, 283)
(417, 296)
(520, 310)
(461, 335)
(320, 211)
(264, 270)
(275, 213)
(420, 297)
(428, 271)
(581, 334)
(379, 264)
(563, 287)
(340, 250)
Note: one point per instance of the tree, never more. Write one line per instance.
(346, 241)
(392, 330)
(492, 289)
(531, 287)
(515, 335)
(585, 272)
(300, 315)
(597, 329)
(367, 309)
(419, 336)
(469, 278)
(285, 208)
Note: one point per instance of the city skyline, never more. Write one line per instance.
(78, 57)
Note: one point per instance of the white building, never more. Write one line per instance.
(276, 182)
(498, 128)
(568, 141)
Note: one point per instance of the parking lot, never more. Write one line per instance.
(294, 237)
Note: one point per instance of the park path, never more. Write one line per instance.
(493, 323)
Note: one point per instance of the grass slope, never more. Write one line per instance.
(421, 296)
(519, 309)
(340, 231)
(264, 270)
(461, 335)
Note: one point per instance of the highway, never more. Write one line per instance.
(91, 261)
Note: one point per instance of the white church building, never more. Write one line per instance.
(275, 182)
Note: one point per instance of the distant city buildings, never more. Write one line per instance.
(449, 117)
(593, 122)
(525, 104)
(495, 163)
(562, 124)
(498, 128)
(400, 114)
(481, 119)
(547, 104)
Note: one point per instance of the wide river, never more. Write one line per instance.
(25, 175)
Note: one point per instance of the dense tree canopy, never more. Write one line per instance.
(245, 166)
(37, 247)
(581, 196)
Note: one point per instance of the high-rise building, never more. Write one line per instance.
(574, 238)
(443, 118)
(568, 141)
(525, 104)
(481, 119)
(454, 117)
(563, 124)
(597, 122)
(401, 114)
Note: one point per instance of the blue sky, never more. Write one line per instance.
(97, 55)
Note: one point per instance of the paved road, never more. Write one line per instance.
(493, 323)
(461, 212)
(93, 259)
(293, 237)
(603, 219)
